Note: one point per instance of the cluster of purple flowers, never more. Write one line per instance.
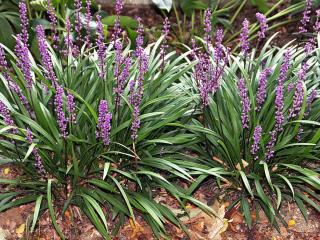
(45, 56)
(53, 23)
(104, 123)
(71, 107)
(70, 47)
(271, 144)
(88, 20)
(101, 47)
(121, 80)
(24, 23)
(5, 113)
(244, 37)
(117, 27)
(263, 25)
(61, 118)
(136, 85)
(262, 88)
(12, 84)
(245, 102)
(317, 23)
(23, 61)
(279, 101)
(311, 97)
(306, 17)
(256, 141)
(77, 22)
(164, 45)
(207, 26)
(38, 161)
(299, 92)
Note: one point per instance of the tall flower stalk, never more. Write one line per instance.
(88, 20)
(24, 22)
(61, 118)
(245, 102)
(306, 17)
(101, 48)
(77, 22)
(262, 88)
(164, 45)
(136, 85)
(244, 37)
(53, 23)
(263, 25)
(256, 141)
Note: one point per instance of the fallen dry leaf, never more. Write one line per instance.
(291, 223)
(20, 229)
(6, 171)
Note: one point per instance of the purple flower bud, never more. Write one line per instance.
(136, 85)
(61, 118)
(53, 23)
(5, 113)
(244, 37)
(164, 45)
(306, 17)
(262, 88)
(245, 102)
(38, 162)
(88, 20)
(70, 47)
(77, 21)
(23, 61)
(300, 131)
(71, 108)
(101, 47)
(309, 46)
(290, 86)
(271, 144)
(279, 101)
(207, 26)
(263, 25)
(104, 123)
(24, 22)
(45, 56)
(256, 141)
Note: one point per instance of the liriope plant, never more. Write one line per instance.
(88, 126)
(257, 118)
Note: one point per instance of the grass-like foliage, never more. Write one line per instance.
(72, 131)
(261, 125)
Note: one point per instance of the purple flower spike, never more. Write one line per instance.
(299, 93)
(164, 45)
(271, 144)
(306, 17)
(263, 25)
(58, 103)
(101, 47)
(104, 123)
(88, 20)
(53, 23)
(121, 80)
(77, 22)
(71, 108)
(12, 84)
(117, 27)
(311, 97)
(279, 101)
(317, 23)
(70, 47)
(5, 113)
(45, 56)
(245, 102)
(256, 141)
(207, 26)
(244, 37)
(24, 22)
(262, 88)
(136, 85)
(218, 50)
(23, 61)
(38, 162)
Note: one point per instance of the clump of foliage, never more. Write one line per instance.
(87, 125)
(257, 117)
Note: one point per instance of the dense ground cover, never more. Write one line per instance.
(105, 128)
